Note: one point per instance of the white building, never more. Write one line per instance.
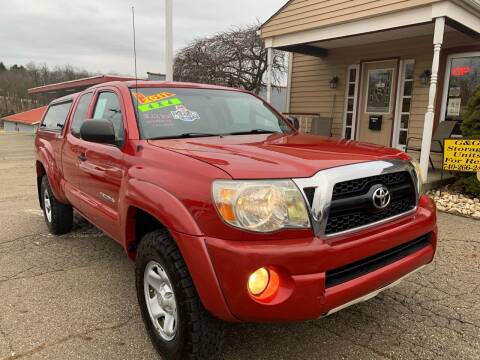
(24, 122)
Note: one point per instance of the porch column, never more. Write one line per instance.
(430, 114)
(269, 73)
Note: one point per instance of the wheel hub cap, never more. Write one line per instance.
(160, 300)
(48, 206)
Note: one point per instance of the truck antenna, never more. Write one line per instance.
(135, 55)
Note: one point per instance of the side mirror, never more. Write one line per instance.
(98, 131)
(294, 122)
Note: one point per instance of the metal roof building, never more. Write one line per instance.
(26, 122)
(68, 87)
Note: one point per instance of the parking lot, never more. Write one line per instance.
(73, 296)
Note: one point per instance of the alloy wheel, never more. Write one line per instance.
(160, 300)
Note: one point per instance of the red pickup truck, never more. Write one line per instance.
(228, 211)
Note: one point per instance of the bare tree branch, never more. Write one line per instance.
(17, 79)
(235, 58)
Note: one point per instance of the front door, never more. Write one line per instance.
(103, 166)
(93, 171)
(377, 102)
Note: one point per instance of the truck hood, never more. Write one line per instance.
(273, 156)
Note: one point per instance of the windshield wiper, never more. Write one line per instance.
(254, 131)
(194, 134)
(184, 136)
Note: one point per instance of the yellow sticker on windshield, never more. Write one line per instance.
(159, 105)
(147, 99)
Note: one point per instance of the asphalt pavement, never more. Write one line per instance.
(73, 296)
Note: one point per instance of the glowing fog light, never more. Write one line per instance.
(258, 281)
(264, 284)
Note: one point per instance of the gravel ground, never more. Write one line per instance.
(73, 297)
(455, 203)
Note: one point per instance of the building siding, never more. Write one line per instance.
(300, 15)
(11, 126)
(310, 91)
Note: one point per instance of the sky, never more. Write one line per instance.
(96, 35)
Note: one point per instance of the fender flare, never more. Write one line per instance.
(171, 213)
(53, 173)
(160, 204)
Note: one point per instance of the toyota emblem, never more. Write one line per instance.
(381, 197)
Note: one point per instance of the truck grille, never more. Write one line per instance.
(351, 205)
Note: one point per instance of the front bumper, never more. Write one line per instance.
(303, 265)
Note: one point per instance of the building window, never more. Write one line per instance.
(462, 78)
(405, 99)
(379, 92)
(351, 92)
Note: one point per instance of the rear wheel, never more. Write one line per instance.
(175, 319)
(58, 216)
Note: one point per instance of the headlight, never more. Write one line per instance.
(262, 206)
(418, 173)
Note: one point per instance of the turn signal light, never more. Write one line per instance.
(225, 205)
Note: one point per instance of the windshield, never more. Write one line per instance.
(176, 112)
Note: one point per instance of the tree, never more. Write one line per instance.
(471, 120)
(16, 80)
(235, 58)
(468, 182)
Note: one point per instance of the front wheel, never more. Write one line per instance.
(58, 216)
(175, 319)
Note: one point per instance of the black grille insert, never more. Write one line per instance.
(358, 186)
(352, 271)
(310, 194)
(351, 205)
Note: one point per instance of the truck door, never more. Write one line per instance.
(97, 169)
(102, 166)
(73, 149)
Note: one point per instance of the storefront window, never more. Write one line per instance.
(463, 79)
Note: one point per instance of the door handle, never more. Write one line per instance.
(82, 157)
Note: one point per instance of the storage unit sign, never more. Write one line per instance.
(461, 155)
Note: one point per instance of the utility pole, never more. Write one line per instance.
(169, 40)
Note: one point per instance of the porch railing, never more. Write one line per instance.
(305, 120)
(313, 123)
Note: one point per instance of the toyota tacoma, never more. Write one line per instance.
(230, 214)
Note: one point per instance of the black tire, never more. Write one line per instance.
(198, 335)
(61, 220)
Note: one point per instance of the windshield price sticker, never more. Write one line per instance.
(182, 113)
(147, 99)
(461, 155)
(159, 105)
(156, 119)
